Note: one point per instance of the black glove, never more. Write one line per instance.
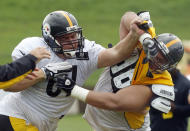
(65, 83)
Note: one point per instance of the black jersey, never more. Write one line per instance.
(16, 71)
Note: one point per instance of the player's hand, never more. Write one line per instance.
(53, 70)
(37, 74)
(134, 27)
(66, 84)
(32, 75)
(40, 53)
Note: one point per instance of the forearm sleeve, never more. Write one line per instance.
(17, 68)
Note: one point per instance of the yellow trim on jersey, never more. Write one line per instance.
(151, 30)
(172, 42)
(68, 19)
(21, 125)
(168, 115)
(7, 84)
(134, 119)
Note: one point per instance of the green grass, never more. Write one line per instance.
(77, 123)
(73, 123)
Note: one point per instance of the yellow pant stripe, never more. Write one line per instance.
(20, 125)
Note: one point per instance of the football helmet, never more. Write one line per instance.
(170, 51)
(59, 24)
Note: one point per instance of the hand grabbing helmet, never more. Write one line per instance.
(170, 51)
(61, 32)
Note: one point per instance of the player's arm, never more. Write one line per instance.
(182, 110)
(20, 68)
(132, 98)
(31, 79)
(129, 38)
(49, 71)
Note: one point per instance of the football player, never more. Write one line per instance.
(16, 71)
(40, 105)
(130, 87)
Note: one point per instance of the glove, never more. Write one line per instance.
(53, 70)
(147, 26)
(66, 84)
(149, 46)
(145, 15)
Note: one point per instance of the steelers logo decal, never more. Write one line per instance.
(46, 29)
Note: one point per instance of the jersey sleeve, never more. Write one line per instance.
(22, 49)
(23, 64)
(93, 50)
(16, 71)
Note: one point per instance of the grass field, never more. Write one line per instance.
(77, 123)
(73, 123)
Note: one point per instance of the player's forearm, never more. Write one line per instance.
(104, 100)
(24, 84)
(125, 47)
(119, 52)
(17, 68)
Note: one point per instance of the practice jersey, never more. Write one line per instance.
(34, 104)
(132, 71)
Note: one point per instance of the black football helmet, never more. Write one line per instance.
(60, 23)
(171, 49)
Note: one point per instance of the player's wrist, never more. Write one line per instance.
(79, 93)
(144, 36)
(42, 74)
(45, 73)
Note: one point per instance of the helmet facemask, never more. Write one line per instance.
(159, 63)
(70, 43)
